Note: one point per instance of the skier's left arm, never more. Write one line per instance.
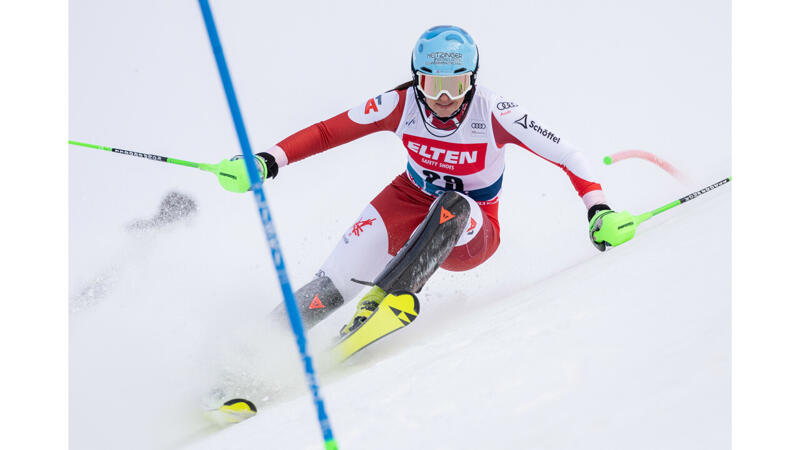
(513, 124)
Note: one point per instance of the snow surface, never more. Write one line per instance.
(548, 345)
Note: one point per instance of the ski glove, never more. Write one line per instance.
(607, 227)
(232, 173)
(271, 164)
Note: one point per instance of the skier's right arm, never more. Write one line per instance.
(381, 113)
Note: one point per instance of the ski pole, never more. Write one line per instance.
(646, 216)
(620, 228)
(269, 227)
(231, 173)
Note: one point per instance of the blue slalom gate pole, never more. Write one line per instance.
(269, 227)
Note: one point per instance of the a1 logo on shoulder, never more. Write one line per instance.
(371, 105)
(374, 109)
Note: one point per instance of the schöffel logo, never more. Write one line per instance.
(525, 123)
(506, 105)
(447, 157)
(478, 126)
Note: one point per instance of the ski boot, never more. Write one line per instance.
(366, 306)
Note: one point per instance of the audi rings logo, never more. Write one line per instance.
(478, 126)
(506, 105)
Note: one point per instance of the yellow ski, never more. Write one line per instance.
(395, 311)
(232, 411)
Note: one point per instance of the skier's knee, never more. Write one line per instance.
(449, 198)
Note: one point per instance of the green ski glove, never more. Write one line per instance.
(611, 228)
(232, 173)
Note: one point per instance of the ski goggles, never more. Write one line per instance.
(455, 86)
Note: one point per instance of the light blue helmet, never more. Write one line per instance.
(445, 50)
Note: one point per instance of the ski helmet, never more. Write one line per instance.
(442, 51)
(445, 50)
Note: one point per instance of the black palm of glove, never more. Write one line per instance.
(272, 165)
(592, 211)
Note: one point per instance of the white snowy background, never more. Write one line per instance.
(549, 345)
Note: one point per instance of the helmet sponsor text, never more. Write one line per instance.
(445, 58)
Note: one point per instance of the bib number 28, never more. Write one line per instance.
(451, 183)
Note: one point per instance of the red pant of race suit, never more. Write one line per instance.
(403, 206)
(385, 226)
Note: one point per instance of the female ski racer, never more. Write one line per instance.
(442, 210)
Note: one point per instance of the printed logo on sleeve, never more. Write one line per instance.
(525, 123)
(371, 106)
(374, 109)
